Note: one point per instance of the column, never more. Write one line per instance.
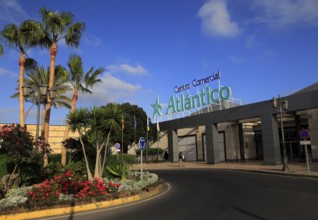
(212, 145)
(173, 146)
(313, 129)
(241, 137)
(270, 136)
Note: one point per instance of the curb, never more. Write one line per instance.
(278, 173)
(85, 207)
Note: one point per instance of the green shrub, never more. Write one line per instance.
(57, 168)
(6, 165)
(14, 198)
(55, 158)
(18, 144)
(135, 184)
(117, 166)
(78, 168)
(130, 159)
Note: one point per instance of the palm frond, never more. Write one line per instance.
(1, 50)
(79, 119)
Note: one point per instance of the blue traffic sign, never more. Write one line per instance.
(142, 143)
(304, 134)
(117, 145)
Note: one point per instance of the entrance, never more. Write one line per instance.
(221, 145)
(188, 146)
(259, 145)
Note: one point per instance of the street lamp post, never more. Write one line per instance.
(39, 95)
(282, 106)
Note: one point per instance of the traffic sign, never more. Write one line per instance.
(117, 145)
(142, 143)
(304, 134)
(304, 142)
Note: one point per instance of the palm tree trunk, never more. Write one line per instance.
(89, 173)
(105, 153)
(74, 100)
(97, 162)
(8, 184)
(21, 82)
(43, 120)
(53, 51)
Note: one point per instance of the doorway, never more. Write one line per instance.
(221, 145)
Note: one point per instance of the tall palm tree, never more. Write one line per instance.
(40, 76)
(57, 26)
(22, 38)
(79, 81)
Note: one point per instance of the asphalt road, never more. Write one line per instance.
(216, 194)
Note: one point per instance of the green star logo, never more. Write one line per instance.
(156, 108)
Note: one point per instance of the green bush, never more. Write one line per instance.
(118, 165)
(32, 170)
(55, 158)
(6, 165)
(18, 144)
(130, 159)
(135, 185)
(56, 168)
(78, 168)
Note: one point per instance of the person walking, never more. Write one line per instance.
(181, 158)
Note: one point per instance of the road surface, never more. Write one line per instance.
(217, 194)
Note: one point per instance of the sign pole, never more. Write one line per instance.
(141, 171)
(307, 159)
(304, 135)
(142, 145)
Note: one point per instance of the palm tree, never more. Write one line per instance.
(22, 38)
(98, 124)
(79, 81)
(40, 76)
(57, 26)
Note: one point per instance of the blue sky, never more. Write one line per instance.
(148, 47)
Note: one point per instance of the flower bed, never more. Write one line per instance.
(66, 190)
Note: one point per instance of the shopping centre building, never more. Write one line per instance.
(224, 130)
(245, 132)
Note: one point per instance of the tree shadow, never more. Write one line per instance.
(71, 217)
(249, 213)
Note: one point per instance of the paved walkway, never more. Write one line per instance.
(295, 168)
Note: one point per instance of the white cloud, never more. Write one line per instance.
(285, 13)
(11, 11)
(237, 60)
(111, 89)
(126, 68)
(92, 40)
(216, 20)
(5, 72)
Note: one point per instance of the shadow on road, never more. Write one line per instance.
(71, 217)
(248, 213)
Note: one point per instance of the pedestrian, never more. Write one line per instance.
(181, 158)
(166, 155)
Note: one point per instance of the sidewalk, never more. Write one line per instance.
(295, 168)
